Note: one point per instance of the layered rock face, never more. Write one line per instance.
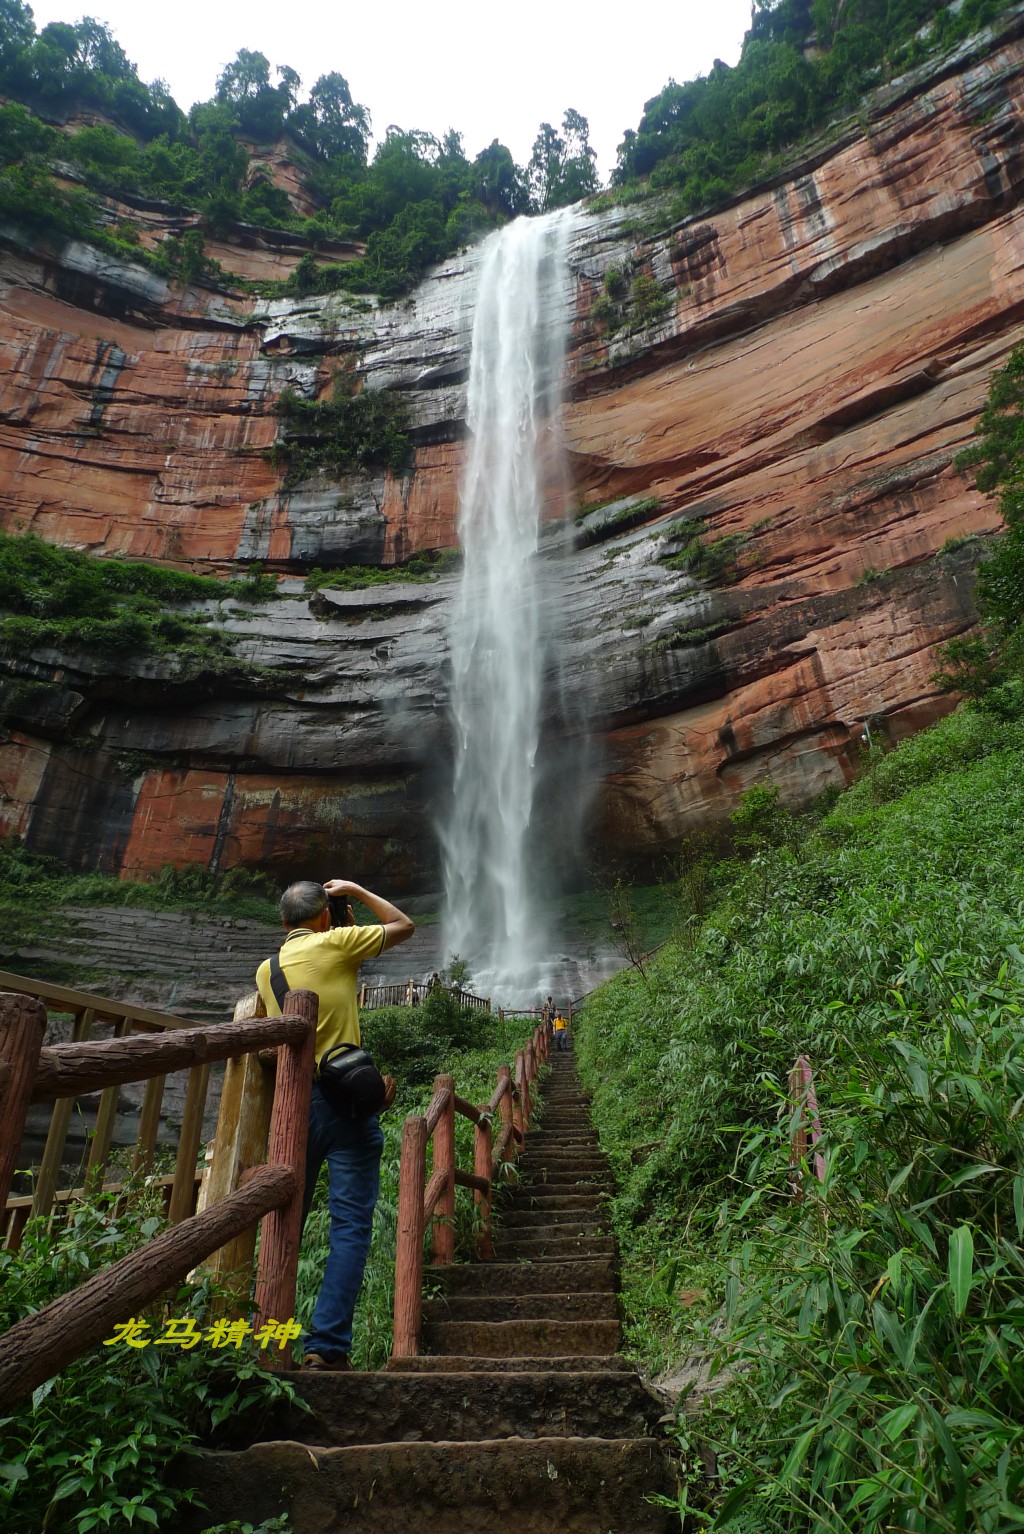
(761, 433)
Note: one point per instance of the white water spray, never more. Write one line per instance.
(502, 624)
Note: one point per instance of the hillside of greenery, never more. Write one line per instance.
(804, 63)
(875, 1331)
(867, 1340)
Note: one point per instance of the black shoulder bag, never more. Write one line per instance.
(348, 1078)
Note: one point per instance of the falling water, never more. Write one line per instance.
(503, 622)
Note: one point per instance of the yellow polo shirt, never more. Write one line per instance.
(327, 963)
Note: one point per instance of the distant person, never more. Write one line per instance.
(561, 1032)
(547, 1017)
(316, 956)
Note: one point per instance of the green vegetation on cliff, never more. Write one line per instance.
(869, 1337)
(346, 432)
(803, 62)
(990, 666)
(419, 197)
(53, 598)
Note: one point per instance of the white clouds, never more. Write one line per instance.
(489, 71)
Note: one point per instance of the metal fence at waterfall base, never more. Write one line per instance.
(410, 993)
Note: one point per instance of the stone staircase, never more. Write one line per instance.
(520, 1413)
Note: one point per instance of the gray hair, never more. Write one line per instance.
(302, 902)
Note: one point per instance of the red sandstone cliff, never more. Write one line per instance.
(823, 352)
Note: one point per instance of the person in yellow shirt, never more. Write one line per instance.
(321, 957)
(561, 1032)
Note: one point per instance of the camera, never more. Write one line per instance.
(341, 911)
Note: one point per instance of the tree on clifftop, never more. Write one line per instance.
(562, 167)
(330, 123)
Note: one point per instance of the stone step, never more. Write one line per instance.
(514, 1339)
(453, 1363)
(520, 1215)
(555, 1133)
(539, 1170)
(532, 1163)
(536, 1225)
(539, 1248)
(558, 1196)
(567, 1306)
(589, 1275)
(574, 1485)
(391, 1407)
(563, 1146)
(569, 1181)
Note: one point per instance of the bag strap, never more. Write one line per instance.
(278, 981)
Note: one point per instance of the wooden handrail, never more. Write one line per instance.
(421, 1201)
(74, 1070)
(436, 1107)
(60, 998)
(471, 1112)
(46, 1342)
(502, 1090)
(88, 1013)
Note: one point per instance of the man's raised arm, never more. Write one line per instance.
(397, 926)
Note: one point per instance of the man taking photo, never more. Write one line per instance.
(325, 958)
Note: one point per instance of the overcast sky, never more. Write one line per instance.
(488, 71)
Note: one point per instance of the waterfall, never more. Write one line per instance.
(503, 627)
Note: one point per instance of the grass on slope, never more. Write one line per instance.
(873, 1332)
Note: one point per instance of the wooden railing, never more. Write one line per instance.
(410, 993)
(422, 1203)
(89, 1013)
(42, 1344)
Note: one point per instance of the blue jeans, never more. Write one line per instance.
(352, 1150)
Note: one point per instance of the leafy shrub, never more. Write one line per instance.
(420, 568)
(62, 599)
(91, 1448)
(361, 431)
(976, 666)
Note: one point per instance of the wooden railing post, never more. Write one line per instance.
(506, 1108)
(517, 1106)
(240, 1143)
(444, 1160)
(807, 1126)
(289, 1130)
(48, 1175)
(483, 1168)
(22, 1028)
(409, 1248)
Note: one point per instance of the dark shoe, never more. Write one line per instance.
(319, 1365)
